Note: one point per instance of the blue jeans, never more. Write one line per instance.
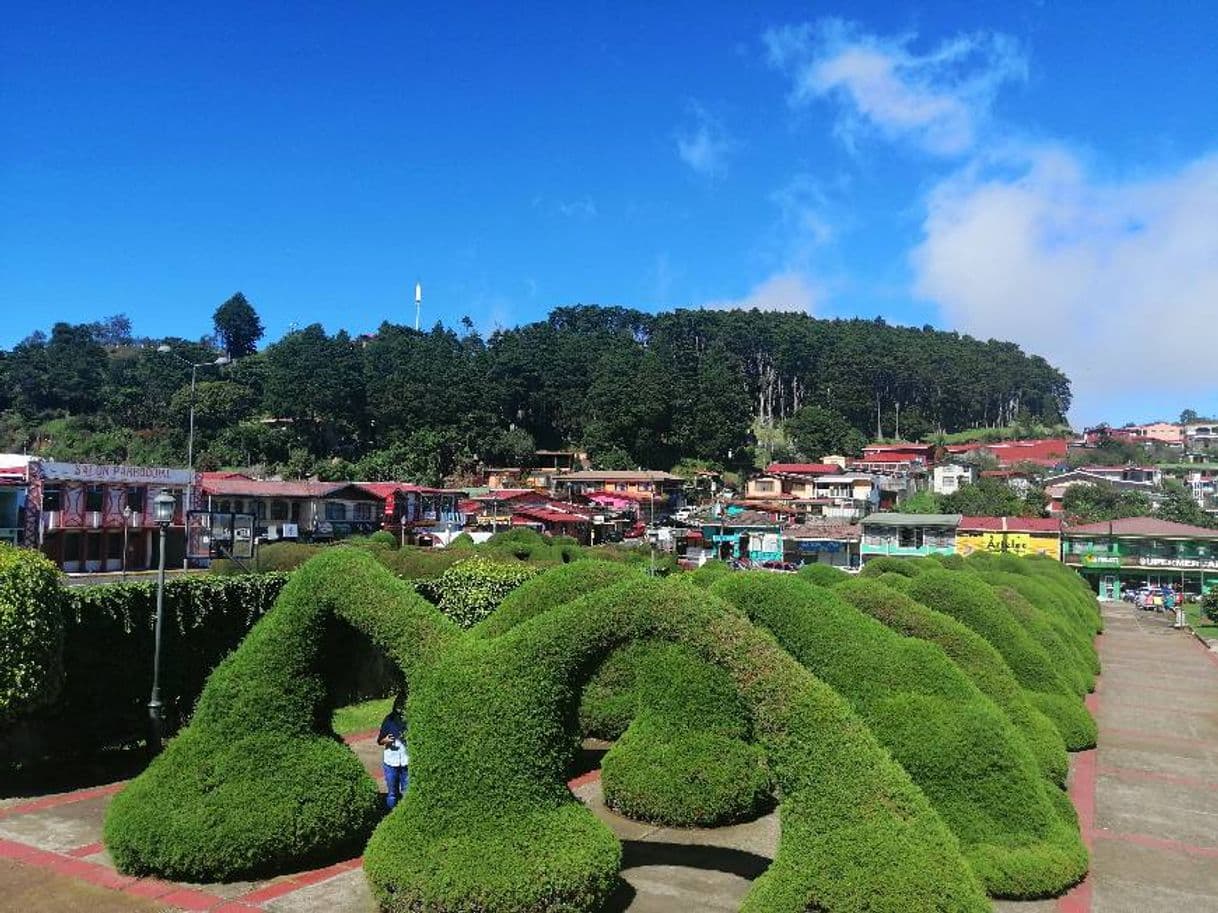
(396, 780)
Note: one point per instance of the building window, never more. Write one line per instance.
(260, 510)
(52, 499)
(910, 537)
(765, 485)
(93, 547)
(114, 547)
(279, 510)
(94, 495)
(136, 498)
(295, 511)
(363, 511)
(336, 511)
(620, 486)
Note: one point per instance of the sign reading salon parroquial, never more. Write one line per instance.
(96, 472)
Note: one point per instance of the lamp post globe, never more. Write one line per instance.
(162, 512)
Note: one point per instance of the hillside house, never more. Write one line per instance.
(948, 478)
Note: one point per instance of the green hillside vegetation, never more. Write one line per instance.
(396, 404)
(956, 745)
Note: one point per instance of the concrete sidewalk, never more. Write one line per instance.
(1147, 801)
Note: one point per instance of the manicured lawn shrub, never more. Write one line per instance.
(473, 588)
(908, 567)
(1049, 630)
(972, 601)
(488, 823)
(524, 544)
(972, 654)
(384, 539)
(856, 834)
(973, 766)
(31, 631)
(413, 563)
(685, 759)
(107, 656)
(258, 782)
(555, 587)
(891, 579)
(709, 572)
(822, 574)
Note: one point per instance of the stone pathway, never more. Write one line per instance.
(1147, 800)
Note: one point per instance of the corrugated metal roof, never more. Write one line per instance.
(1148, 527)
(894, 519)
(1012, 524)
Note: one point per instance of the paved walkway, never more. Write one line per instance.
(1147, 800)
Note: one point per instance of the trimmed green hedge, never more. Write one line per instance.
(549, 590)
(822, 575)
(107, 650)
(258, 783)
(470, 590)
(685, 759)
(709, 571)
(972, 601)
(31, 632)
(975, 769)
(972, 654)
(907, 567)
(488, 823)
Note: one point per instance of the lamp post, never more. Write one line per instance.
(190, 439)
(127, 512)
(162, 513)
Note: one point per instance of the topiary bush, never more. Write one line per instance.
(972, 654)
(685, 759)
(822, 575)
(973, 602)
(31, 631)
(708, 572)
(258, 783)
(1052, 633)
(473, 588)
(488, 823)
(384, 539)
(956, 745)
(907, 567)
(1209, 605)
(555, 587)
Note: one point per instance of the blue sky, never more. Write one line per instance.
(1036, 171)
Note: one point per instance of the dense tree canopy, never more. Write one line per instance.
(634, 389)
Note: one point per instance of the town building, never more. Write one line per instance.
(743, 535)
(823, 542)
(802, 491)
(89, 517)
(306, 510)
(895, 458)
(1168, 433)
(908, 535)
(13, 489)
(1057, 486)
(1043, 452)
(948, 478)
(1022, 536)
(1201, 438)
(1114, 556)
(656, 493)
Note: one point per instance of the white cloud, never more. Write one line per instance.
(704, 144)
(583, 208)
(938, 100)
(1116, 283)
(787, 291)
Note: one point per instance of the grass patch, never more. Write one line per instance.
(1199, 623)
(362, 716)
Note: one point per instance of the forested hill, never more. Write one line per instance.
(634, 389)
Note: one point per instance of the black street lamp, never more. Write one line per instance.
(162, 512)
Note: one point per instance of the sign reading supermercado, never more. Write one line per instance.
(1207, 564)
(93, 472)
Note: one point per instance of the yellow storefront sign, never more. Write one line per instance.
(1016, 543)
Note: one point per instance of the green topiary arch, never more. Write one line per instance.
(258, 783)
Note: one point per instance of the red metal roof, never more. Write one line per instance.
(1044, 451)
(886, 456)
(546, 515)
(809, 469)
(1150, 527)
(1012, 524)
